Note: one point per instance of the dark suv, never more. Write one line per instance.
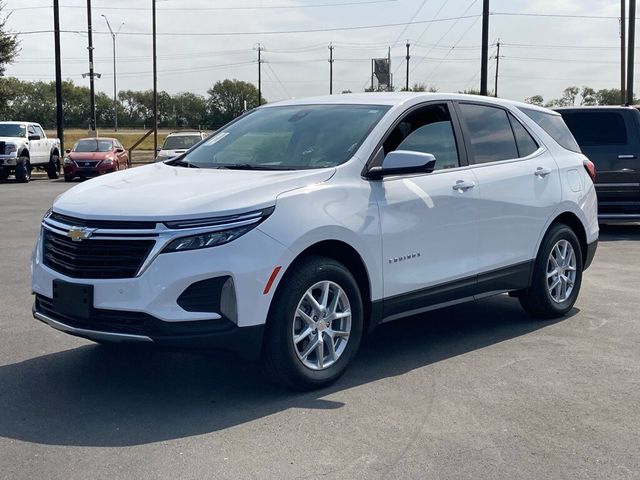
(610, 138)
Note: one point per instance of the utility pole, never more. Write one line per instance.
(408, 57)
(372, 72)
(623, 54)
(631, 51)
(330, 69)
(115, 80)
(390, 86)
(260, 49)
(495, 92)
(92, 121)
(484, 69)
(56, 38)
(155, 79)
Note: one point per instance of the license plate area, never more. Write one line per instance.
(72, 299)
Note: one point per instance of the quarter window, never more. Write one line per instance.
(525, 142)
(490, 133)
(426, 130)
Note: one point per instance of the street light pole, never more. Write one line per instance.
(115, 78)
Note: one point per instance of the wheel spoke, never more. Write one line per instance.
(320, 352)
(563, 288)
(325, 295)
(307, 319)
(341, 315)
(331, 310)
(553, 286)
(297, 339)
(331, 347)
(314, 303)
(552, 274)
(568, 258)
(310, 348)
(340, 334)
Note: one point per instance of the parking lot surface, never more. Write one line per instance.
(474, 391)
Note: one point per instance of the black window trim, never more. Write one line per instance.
(467, 136)
(457, 132)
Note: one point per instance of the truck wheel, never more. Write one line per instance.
(557, 275)
(315, 325)
(23, 170)
(68, 178)
(53, 167)
(4, 173)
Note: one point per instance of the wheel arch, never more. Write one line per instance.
(24, 153)
(347, 255)
(571, 220)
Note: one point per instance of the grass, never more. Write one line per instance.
(127, 137)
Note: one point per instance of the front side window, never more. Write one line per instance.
(426, 130)
(39, 131)
(32, 131)
(89, 146)
(490, 133)
(288, 138)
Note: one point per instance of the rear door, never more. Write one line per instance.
(519, 188)
(609, 138)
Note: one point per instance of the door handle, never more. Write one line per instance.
(542, 172)
(462, 186)
(627, 157)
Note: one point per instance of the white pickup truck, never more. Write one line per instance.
(23, 147)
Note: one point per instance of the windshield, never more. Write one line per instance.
(180, 142)
(93, 146)
(8, 130)
(288, 138)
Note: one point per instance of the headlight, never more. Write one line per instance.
(206, 240)
(108, 161)
(68, 161)
(10, 148)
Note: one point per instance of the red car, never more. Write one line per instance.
(91, 157)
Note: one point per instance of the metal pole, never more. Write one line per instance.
(155, 80)
(115, 76)
(623, 53)
(631, 51)
(330, 69)
(93, 125)
(259, 74)
(390, 86)
(484, 69)
(372, 69)
(408, 58)
(495, 92)
(59, 114)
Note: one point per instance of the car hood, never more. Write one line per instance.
(161, 192)
(13, 139)
(89, 155)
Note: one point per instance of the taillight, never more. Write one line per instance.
(591, 169)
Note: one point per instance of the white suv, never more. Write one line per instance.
(302, 225)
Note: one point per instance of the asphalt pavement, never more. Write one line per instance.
(471, 392)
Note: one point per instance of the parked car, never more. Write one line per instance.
(23, 147)
(610, 137)
(91, 157)
(303, 225)
(177, 143)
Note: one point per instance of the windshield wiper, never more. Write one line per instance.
(182, 163)
(249, 166)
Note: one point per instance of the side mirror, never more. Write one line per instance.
(34, 137)
(403, 162)
(67, 151)
(158, 150)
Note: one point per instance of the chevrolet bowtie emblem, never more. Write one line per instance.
(80, 234)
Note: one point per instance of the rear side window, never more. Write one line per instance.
(526, 144)
(596, 128)
(554, 125)
(490, 133)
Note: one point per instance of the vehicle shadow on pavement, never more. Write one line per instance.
(90, 396)
(616, 233)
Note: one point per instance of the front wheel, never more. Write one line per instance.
(314, 326)
(557, 275)
(23, 170)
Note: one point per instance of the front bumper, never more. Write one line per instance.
(8, 160)
(86, 172)
(216, 335)
(591, 253)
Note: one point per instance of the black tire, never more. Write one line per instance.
(53, 167)
(23, 170)
(281, 360)
(4, 174)
(68, 178)
(537, 300)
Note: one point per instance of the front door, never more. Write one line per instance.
(428, 221)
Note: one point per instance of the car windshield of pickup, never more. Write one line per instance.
(181, 142)
(87, 146)
(287, 138)
(13, 130)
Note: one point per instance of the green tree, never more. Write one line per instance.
(535, 100)
(9, 45)
(227, 100)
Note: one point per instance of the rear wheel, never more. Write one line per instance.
(53, 167)
(23, 170)
(314, 326)
(557, 275)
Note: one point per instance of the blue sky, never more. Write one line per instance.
(541, 55)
